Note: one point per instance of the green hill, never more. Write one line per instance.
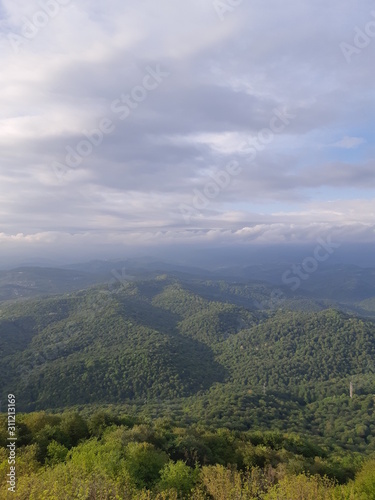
(170, 347)
(305, 354)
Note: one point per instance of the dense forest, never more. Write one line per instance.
(107, 456)
(184, 388)
(161, 340)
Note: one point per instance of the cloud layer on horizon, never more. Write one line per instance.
(266, 86)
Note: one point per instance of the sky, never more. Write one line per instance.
(131, 126)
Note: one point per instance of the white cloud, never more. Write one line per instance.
(226, 79)
(349, 142)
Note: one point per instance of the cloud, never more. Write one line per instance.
(349, 142)
(226, 79)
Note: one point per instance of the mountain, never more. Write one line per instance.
(344, 286)
(166, 338)
(26, 282)
(308, 355)
(98, 346)
(336, 284)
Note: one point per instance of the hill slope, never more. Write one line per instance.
(161, 339)
(27, 282)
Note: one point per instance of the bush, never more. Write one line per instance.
(56, 453)
(365, 481)
(143, 463)
(178, 476)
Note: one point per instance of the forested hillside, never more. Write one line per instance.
(309, 355)
(116, 456)
(200, 351)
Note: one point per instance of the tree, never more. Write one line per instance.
(365, 481)
(56, 453)
(74, 426)
(143, 462)
(178, 476)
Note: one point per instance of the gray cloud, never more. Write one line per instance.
(225, 80)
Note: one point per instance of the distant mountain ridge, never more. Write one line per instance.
(28, 282)
(350, 288)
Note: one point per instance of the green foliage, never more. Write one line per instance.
(303, 354)
(74, 426)
(302, 487)
(56, 453)
(100, 421)
(365, 481)
(178, 476)
(128, 349)
(171, 389)
(160, 460)
(144, 463)
(192, 351)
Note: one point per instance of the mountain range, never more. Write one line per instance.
(205, 348)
